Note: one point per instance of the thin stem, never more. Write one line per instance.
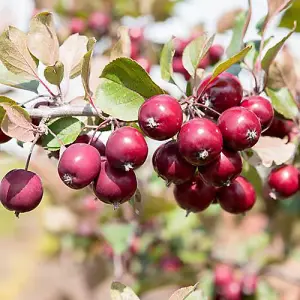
(179, 88)
(94, 106)
(256, 89)
(102, 125)
(207, 107)
(31, 151)
(46, 87)
(34, 98)
(58, 139)
(118, 266)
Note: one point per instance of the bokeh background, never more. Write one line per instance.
(65, 249)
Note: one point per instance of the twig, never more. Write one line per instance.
(63, 111)
(58, 139)
(31, 151)
(34, 98)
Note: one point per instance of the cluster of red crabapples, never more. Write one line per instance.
(213, 56)
(228, 287)
(203, 135)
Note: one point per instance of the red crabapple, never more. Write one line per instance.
(126, 149)
(160, 117)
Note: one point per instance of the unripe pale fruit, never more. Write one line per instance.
(179, 68)
(126, 149)
(215, 53)
(77, 25)
(195, 195)
(99, 22)
(283, 181)
(200, 141)
(160, 117)
(223, 92)
(262, 108)
(114, 186)
(240, 128)
(21, 191)
(223, 170)
(237, 198)
(79, 165)
(170, 165)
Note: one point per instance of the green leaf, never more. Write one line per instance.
(272, 52)
(119, 291)
(283, 102)
(220, 68)
(117, 100)
(86, 67)
(16, 123)
(15, 55)
(128, 73)
(265, 291)
(195, 51)
(42, 39)
(236, 43)
(66, 129)
(54, 74)
(17, 81)
(118, 236)
(166, 60)
(290, 16)
(252, 175)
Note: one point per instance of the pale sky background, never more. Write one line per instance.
(187, 14)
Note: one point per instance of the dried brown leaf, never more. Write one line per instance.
(42, 39)
(15, 55)
(227, 20)
(17, 123)
(271, 150)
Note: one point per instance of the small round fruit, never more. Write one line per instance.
(223, 170)
(114, 186)
(195, 195)
(79, 165)
(99, 22)
(96, 142)
(223, 92)
(136, 34)
(237, 198)
(280, 128)
(3, 137)
(223, 275)
(126, 149)
(21, 191)
(249, 284)
(145, 63)
(77, 25)
(179, 68)
(240, 128)
(232, 291)
(200, 141)
(204, 63)
(160, 117)
(170, 264)
(180, 45)
(283, 181)
(170, 165)
(215, 53)
(262, 108)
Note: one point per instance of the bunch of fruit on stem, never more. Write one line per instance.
(227, 287)
(204, 135)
